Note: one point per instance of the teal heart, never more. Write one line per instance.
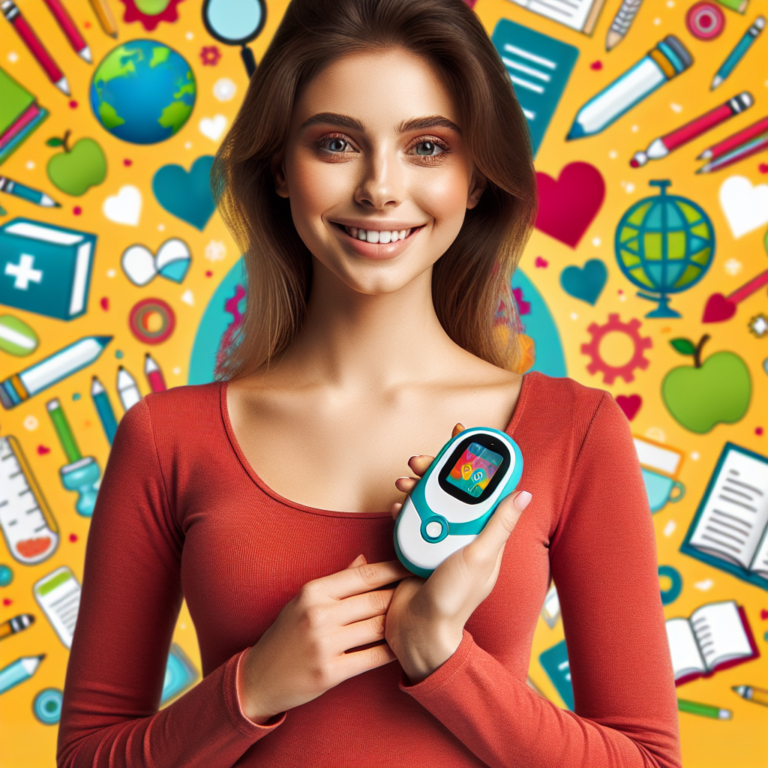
(585, 283)
(186, 194)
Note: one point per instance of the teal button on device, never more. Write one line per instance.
(456, 497)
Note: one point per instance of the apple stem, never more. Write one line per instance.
(697, 353)
(64, 140)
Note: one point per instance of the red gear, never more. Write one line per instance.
(610, 372)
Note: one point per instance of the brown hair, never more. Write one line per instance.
(471, 280)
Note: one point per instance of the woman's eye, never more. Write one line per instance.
(336, 145)
(428, 147)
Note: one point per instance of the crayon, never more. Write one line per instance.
(19, 671)
(36, 48)
(24, 192)
(668, 59)
(20, 386)
(738, 53)
(662, 146)
(104, 409)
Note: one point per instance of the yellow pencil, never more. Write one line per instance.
(106, 19)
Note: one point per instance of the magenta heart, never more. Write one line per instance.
(718, 308)
(630, 404)
(105, 303)
(541, 263)
(42, 450)
(568, 206)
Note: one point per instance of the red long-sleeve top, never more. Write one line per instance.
(181, 514)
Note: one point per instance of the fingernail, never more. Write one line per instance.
(523, 499)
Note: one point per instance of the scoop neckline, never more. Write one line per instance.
(510, 429)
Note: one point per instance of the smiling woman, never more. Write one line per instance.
(379, 180)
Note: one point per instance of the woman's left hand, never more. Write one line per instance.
(426, 617)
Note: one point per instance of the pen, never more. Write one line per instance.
(36, 48)
(662, 146)
(35, 196)
(71, 32)
(738, 53)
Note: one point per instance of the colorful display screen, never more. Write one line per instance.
(474, 469)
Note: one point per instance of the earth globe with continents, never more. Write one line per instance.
(664, 244)
(143, 92)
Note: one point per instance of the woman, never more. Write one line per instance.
(370, 121)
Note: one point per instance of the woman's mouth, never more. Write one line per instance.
(383, 236)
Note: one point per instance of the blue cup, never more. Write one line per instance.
(660, 489)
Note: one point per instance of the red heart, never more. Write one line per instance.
(630, 404)
(596, 65)
(541, 262)
(7, 601)
(105, 303)
(718, 308)
(568, 206)
(42, 450)
(763, 167)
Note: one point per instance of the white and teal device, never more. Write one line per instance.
(455, 498)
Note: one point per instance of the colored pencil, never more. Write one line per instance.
(36, 48)
(71, 32)
(745, 150)
(104, 14)
(743, 136)
(738, 53)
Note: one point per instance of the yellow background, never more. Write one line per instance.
(740, 742)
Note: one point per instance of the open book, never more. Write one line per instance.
(730, 528)
(716, 637)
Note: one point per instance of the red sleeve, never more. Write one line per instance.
(130, 602)
(603, 562)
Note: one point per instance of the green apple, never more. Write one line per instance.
(717, 390)
(77, 168)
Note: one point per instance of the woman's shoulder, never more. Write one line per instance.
(189, 406)
(562, 394)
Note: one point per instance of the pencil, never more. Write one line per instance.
(745, 150)
(36, 48)
(36, 196)
(71, 32)
(738, 53)
(621, 23)
(761, 126)
(104, 14)
(662, 146)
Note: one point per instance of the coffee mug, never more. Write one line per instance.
(660, 464)
(660, 489)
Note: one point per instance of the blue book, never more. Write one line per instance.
(730, 528)
(554, 662)
(45, 269)
(539, 67)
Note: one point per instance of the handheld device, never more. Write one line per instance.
(456, 497)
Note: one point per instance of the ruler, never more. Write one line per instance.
(28, 526)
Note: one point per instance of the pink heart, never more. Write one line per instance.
(568, 206)
(630, 404)
(718, 308)
(42, 450)
(542, 263)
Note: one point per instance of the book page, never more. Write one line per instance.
(573, 13)
(683, 648)
(720, 633)
(735, 515)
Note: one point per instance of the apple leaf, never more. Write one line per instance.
(683, 346)
(54, 142)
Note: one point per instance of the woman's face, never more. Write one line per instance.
(375, 147)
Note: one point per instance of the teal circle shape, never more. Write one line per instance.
(6, 575)
(47, 706)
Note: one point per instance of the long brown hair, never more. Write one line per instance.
(471, 281)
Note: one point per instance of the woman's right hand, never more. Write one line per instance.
(304, 653)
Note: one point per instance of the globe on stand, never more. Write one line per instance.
(664, 245)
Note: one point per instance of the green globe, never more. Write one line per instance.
(143, 92)
(664, 245)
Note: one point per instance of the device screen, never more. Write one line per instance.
(474, 469)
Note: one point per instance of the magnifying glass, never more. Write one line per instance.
(236, 22)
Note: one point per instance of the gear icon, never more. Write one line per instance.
(610, 372)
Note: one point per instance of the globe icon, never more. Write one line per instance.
(664, 245)
(143, 92)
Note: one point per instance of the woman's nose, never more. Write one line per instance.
(383, 180)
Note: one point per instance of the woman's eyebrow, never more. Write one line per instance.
(414, 124)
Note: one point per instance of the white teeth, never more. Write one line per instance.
(378, 236)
